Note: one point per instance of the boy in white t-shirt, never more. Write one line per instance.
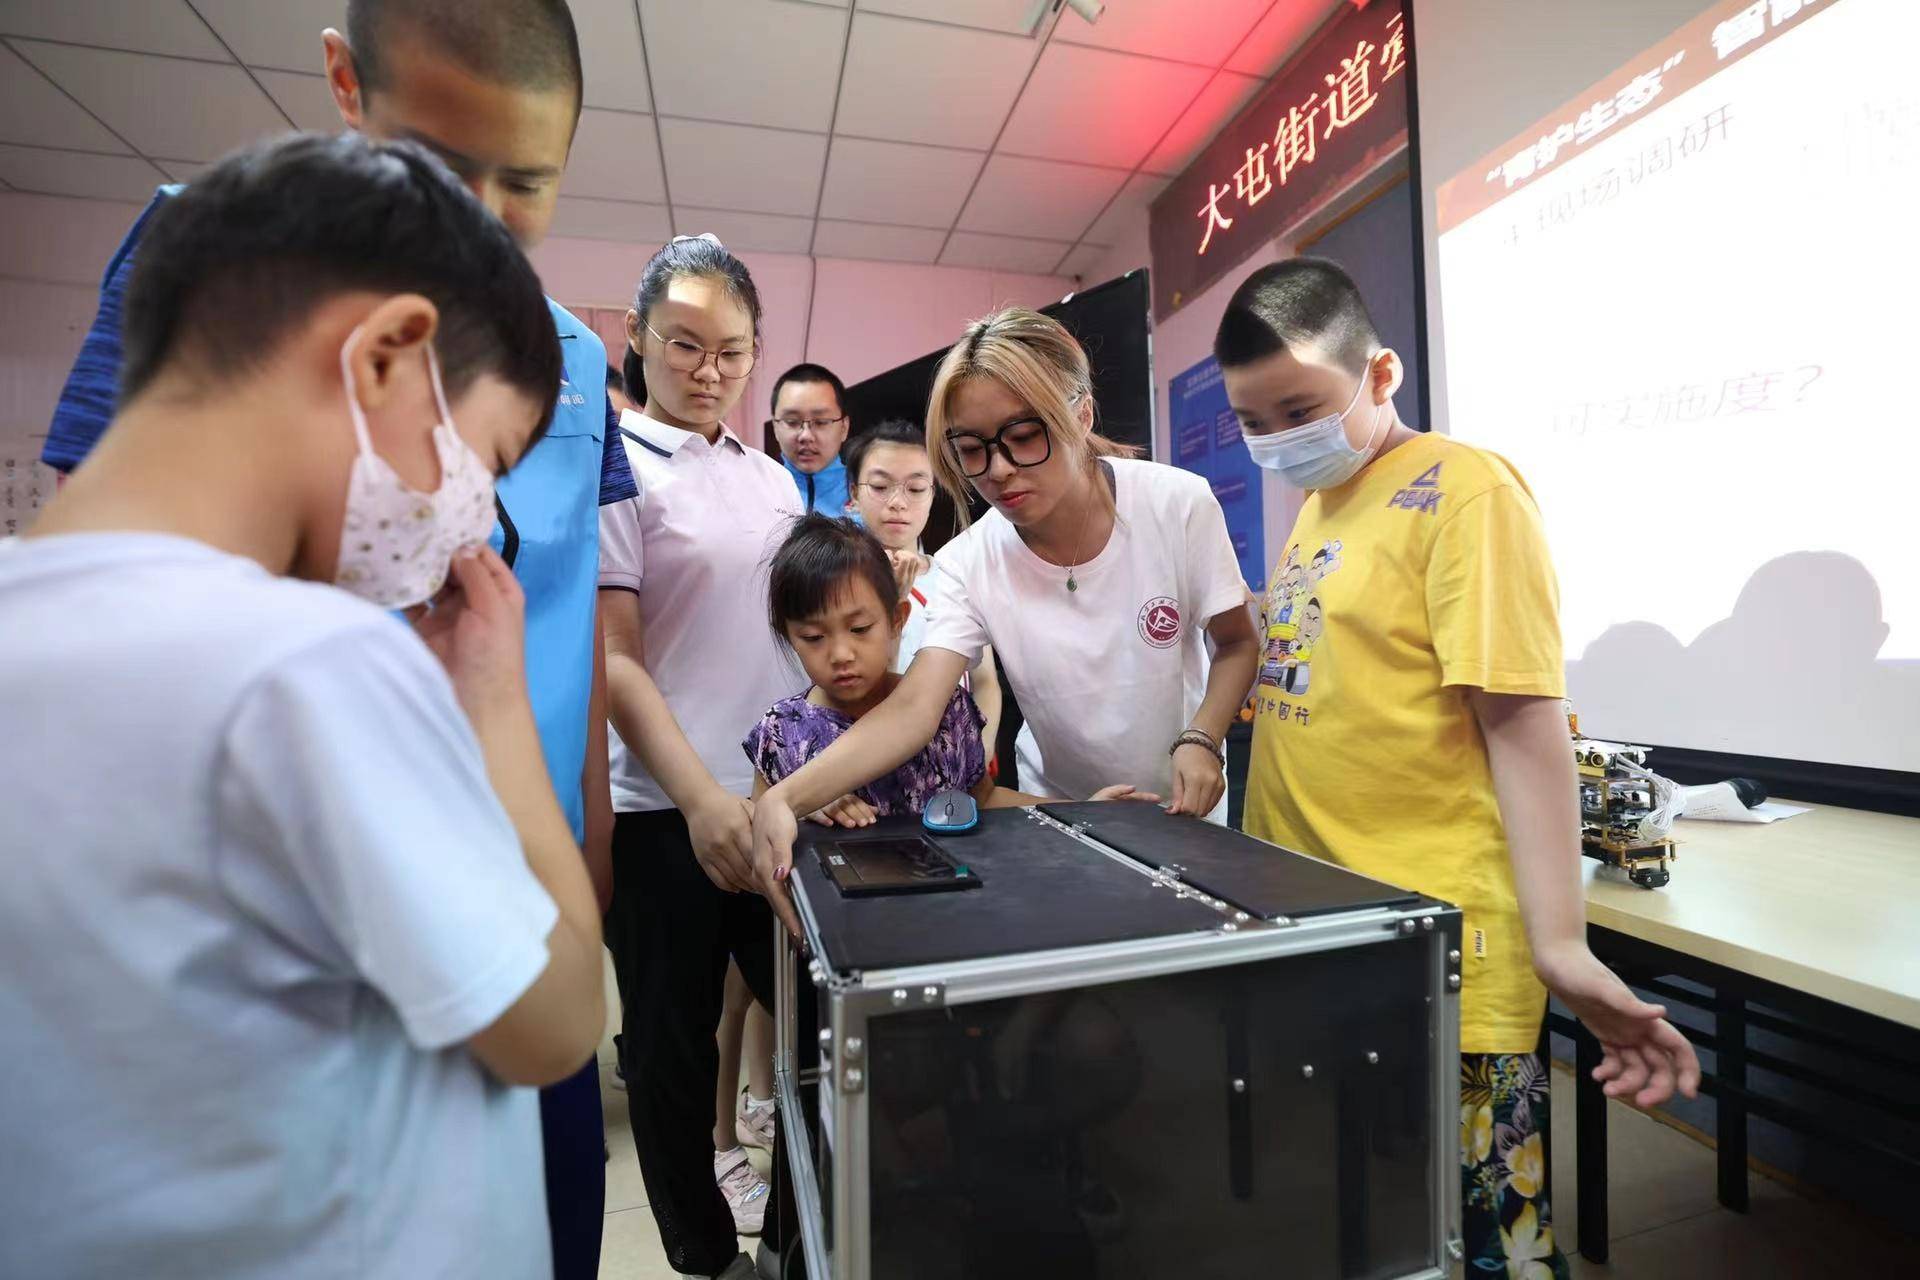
(892, 492)
(291, 915)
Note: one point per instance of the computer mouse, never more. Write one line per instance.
(950, 812)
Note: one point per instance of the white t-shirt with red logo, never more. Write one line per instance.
(1109, 674)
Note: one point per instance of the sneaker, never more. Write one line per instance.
(743, 1188)
(619, 1065)
(753, 1122)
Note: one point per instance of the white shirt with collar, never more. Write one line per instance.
(695, 546)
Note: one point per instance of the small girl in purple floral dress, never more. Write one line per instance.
(834, 600)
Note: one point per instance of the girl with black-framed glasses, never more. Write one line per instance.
(1097, 578)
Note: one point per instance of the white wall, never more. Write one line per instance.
(1186, 338)
(51, 257)
(858, 318)
(866, 318)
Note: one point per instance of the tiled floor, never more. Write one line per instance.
(1665, 1222)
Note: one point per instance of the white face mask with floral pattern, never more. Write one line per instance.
(397, 543)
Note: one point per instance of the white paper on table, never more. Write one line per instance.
(1768, 811)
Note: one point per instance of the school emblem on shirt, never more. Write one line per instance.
(1160, 622)
(1422, 495)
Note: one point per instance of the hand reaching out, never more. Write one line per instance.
(847, 811)
(1198, 782)
(1124, 792)
(774, 831)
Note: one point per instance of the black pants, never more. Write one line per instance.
(574, 1135)
(674, 932)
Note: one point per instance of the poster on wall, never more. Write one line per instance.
(1206, 441)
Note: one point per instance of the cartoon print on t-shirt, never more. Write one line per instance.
(1292, 617)
(1311, 625)
(1277, 614)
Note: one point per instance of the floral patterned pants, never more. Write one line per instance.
(1505, 1218)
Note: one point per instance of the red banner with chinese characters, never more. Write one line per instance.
(1334, 113)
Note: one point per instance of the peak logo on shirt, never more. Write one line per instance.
(1423, 494)
(1160, 622)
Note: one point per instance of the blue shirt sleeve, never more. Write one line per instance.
(616, 477)
(92, 390)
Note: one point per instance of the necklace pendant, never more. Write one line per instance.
(1071, 584)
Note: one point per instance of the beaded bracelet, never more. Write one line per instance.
(1198, 738)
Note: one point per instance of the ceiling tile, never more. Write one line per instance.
(72, 173)
(610, 56)
(765, 232)
(615, 157)
(1132, 203)
(1099, 107)
(1219, 102)
(283, 34)
(1039, 198)
(1202, 31)
(746, 61)
(148, 26)
(729, 166)
(304, 97)
(33, 110)
(1083, 259)
(163, 106)
(286, 34)
(897, 182)
(867, 240)
(183, 170)
(610, 220)
(1009, 16)
(1003, 253)
(919, 82)
(1279, 35)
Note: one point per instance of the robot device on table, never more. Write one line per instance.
(1626, 810)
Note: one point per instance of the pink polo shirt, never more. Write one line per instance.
(695, 546)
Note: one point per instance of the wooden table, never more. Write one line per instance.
(1816, 916)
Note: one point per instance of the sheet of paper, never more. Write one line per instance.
(1734, 811)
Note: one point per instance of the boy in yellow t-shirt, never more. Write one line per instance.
(1412, 727)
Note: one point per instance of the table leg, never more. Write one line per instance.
(1590, 1146)
(1730, 1112)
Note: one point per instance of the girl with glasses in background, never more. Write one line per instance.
(893, 496)
(1098, 580)
(690, 664)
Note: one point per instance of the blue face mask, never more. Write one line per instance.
(1316, 455)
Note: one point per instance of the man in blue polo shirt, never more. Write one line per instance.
(494, 87)
(810, 422)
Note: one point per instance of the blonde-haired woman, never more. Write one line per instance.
(1096, 578)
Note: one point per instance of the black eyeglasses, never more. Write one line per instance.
(1025, 442)
(801, 424)
(686, 357)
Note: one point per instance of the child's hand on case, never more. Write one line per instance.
(847, 811)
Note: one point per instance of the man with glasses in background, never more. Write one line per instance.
(810, 422)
